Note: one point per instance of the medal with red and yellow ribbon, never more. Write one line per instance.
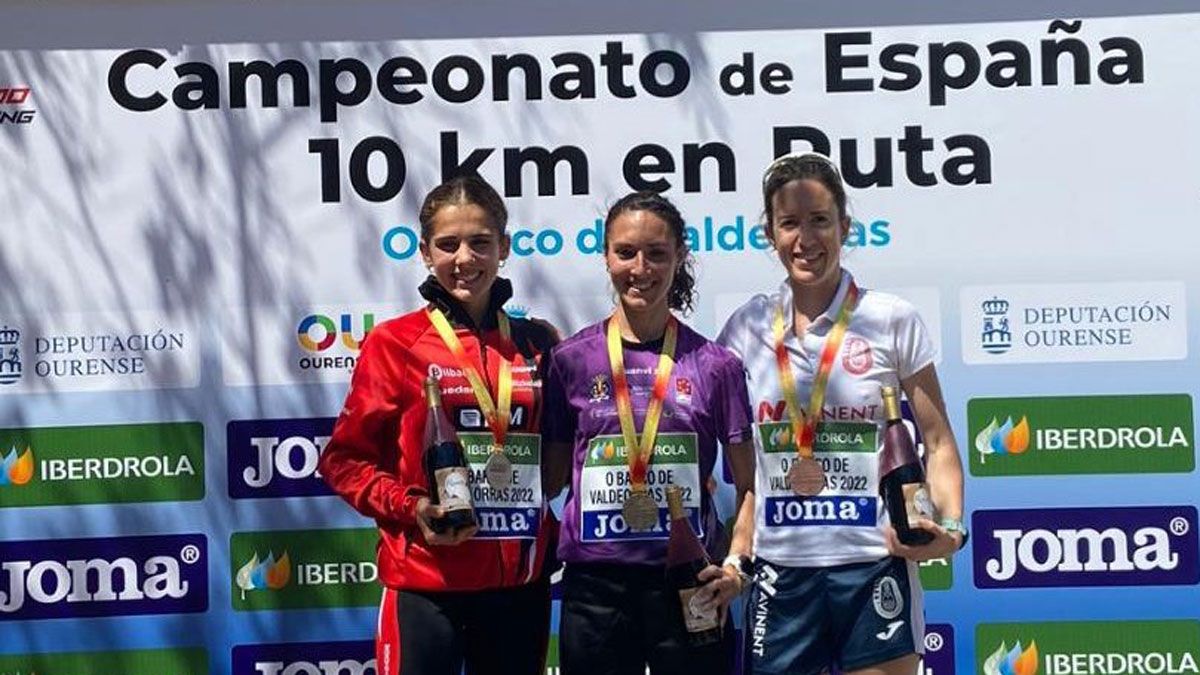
(806, 477)
(640, 510)
(499, 467)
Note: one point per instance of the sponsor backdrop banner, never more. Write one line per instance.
(196, 238)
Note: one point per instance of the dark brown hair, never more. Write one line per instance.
(682, 294)
(460, 190)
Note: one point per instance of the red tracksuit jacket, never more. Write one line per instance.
(374, 460)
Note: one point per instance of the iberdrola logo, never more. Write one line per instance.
(16, 470)
(604, 451)
(258, 575)
(1005, 661)
(780, 437)
(1002, 439)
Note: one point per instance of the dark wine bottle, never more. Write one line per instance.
(445, 467)
(902, 476)
(685, 558)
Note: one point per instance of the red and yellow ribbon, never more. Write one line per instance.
(804, 425)
(639, 451)
(497, 415)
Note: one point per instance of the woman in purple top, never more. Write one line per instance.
(642, 379)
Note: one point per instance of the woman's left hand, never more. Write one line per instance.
(721, 586)
(943, 545)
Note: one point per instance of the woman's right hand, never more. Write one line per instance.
(427, 511)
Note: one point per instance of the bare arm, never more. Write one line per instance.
(944, 467)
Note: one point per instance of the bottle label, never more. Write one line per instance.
(916, 502)
(515, 510)
(847, 451)
(454, 493)
(696, 617)
(604, 485)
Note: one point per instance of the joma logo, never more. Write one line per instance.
(1084, 550)
(86, 577)
(1145, 545)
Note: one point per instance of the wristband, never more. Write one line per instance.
(956, 525)
(739, 563)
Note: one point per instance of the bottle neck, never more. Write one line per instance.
(675, 505)
(891, 404)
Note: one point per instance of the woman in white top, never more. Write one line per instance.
(836, 586)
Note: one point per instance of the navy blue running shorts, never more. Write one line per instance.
(803, 620)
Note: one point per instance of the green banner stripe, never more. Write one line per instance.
(937, 575)
(831, 437)
(669, 448)
(323, 568)
(520, 448)
(136, 662)
(1150, 433)
(106, 464)
(1168, 646)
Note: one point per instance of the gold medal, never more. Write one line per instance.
(806, 477)
(640, 511)
(499, 469)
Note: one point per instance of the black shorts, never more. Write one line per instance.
(617, 619)
(803, 620)
(494, 632)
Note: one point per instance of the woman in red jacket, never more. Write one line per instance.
(477, 597)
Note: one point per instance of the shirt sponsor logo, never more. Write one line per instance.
(91, 352)
(1081, 435)
(472, 417)
(306, 658)
(102, 464)
(605, 484)
(108, 576)
(437, 372)
(856, 355)
(132, 662)
(1150, 546)
(1055, 323)
(277, 458)
(1089, 648)
(791, 511)
(514, 510)
(290, 569)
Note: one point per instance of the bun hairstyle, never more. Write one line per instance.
(682, 294)
(460, 190)
(799, 166)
